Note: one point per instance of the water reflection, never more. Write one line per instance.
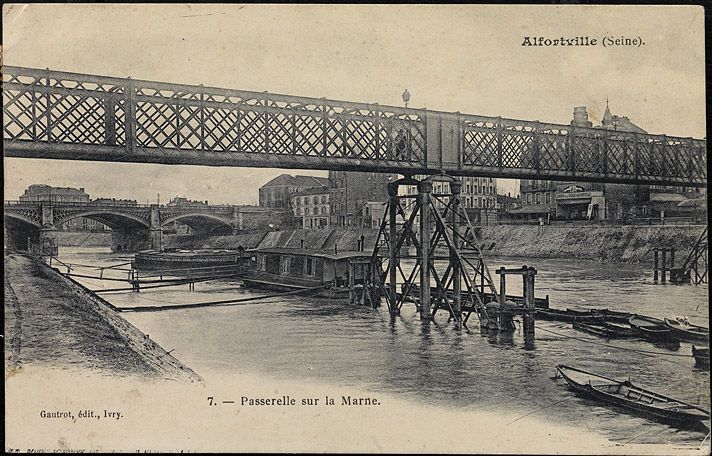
(307, 338)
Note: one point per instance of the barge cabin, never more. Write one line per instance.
(292, 269)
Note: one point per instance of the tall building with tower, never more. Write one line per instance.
(572, 200)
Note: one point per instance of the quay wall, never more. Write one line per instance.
(83, 239)
(610, 244)
(606, 243)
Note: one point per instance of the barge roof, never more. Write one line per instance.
(346, 254)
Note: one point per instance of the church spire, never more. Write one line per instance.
(607, 116)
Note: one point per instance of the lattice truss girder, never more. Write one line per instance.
(179, 122)
(463, 249)
(504, 143)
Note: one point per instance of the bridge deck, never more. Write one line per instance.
(60, 115)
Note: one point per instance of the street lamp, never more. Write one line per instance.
(406, 97)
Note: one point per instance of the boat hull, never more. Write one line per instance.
(652, 329)
(609, 391)
(688, 333)
(329, 293)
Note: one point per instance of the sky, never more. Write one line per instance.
(466, 58)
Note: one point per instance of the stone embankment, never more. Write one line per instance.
(610, 244)
(52, 321)
(607, 243)
(84, 239)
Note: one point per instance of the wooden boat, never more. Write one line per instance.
(651, 328)
(688, 332)
(702, 357)
(608, 315)
(606, 330)
(285, 269)
(634, 398)
(568, 316)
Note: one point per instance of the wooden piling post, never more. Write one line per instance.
(664, 266)
(392, 252)
(655, 268)
(529, 302)
(455, 188)
(424, 189)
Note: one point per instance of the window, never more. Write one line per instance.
(261, 262)
(284, 264)
(323, 209)
(309, 267)
(323, 199)
(538, 198)
(548, 198)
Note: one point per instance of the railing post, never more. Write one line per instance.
(48, 112)
(636, 156)
(537, 146)
(499, 142)
(130, 116)
(110, 120)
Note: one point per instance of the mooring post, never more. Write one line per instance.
(502, 318)
(424, 189)
(455, 188)
(664, 266)
(655, 269)
(502, 287)
(529, 302)
(392, 252)
(672, 257)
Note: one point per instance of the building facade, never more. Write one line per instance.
(549, 200)
(278, 192)
(350, 191)
(312, 207)
(478, 195)
(47, 194)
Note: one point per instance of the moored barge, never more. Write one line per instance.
(284, 269)
(184, 262)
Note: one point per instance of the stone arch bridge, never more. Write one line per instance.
(134, 227)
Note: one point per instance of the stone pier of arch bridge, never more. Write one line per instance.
(134, 227)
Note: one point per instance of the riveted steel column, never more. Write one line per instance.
(392, 251)
(455, 188)
(424, 189)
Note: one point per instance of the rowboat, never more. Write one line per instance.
(634, 398)
(688, 332)
(651, 328)
(605, 330)
(702, 357)
(607, 314)
(568, 316)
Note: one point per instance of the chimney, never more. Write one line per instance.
(581, 117)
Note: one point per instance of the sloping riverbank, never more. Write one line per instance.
(611, 244)
(51, 321)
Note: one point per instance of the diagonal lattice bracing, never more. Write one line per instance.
(53, 114)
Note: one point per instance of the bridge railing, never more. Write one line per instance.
(55, 114)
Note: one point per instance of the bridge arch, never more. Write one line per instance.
(201, 221)
(112, 219)
(23, 219)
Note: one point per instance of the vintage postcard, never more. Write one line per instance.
(355, 228)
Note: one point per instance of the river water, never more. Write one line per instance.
(307, 339)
